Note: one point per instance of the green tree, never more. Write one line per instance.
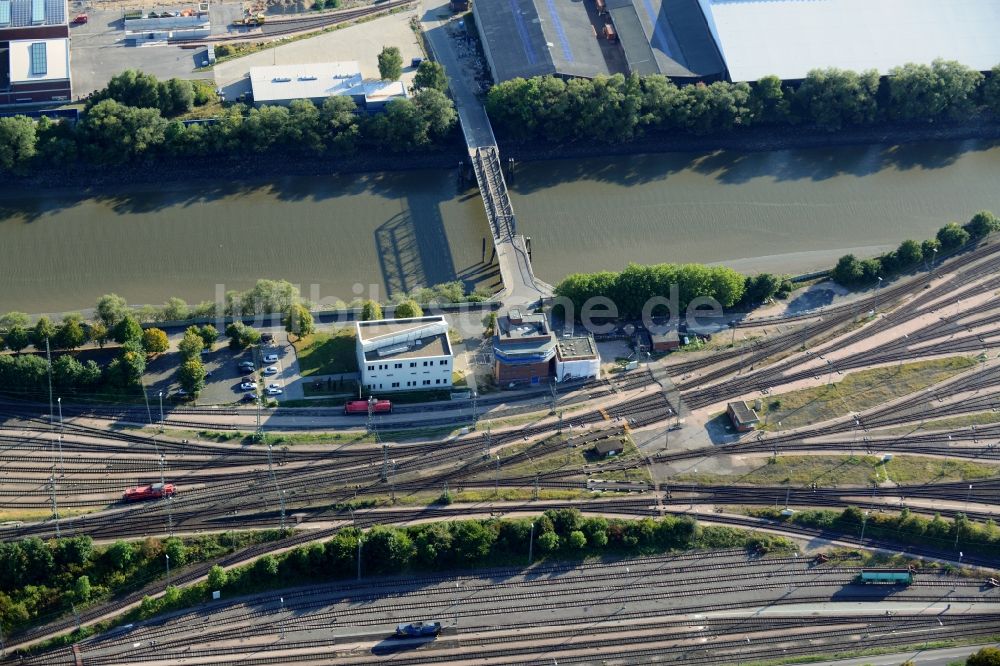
(577, 540)
(437, 110)
(121, 554)
(982, 223)
(131, 363)
(929, 92)
(155, 341)
(951, 236)
(130, 88)
(991, 90)
(760, 288)
(111, 309)
(833, 98)
(471, 541)
(128, 329)
(191, 344)
(390, 63)
(81, 589)
(99, 333)
(299, 321)
(371, 311)
(217, 577)
(848, 271)
(18, 142)
(176, 97)
(191, 375)
(431, 75)
(909, 253)
(767, 101)
(242, 336)
(548, 542)
(175, 309)
(387, 550)
(338, 123)
(13, 319)
(402, 127)
(17, 338)
(115, 133)
(71, 334)
(44, 330)
(408, 309)
(209, 334)
(177, 551)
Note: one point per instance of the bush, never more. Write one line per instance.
(242, 336)
(408, 309)
(155, 341)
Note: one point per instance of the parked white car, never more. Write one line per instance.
(271, 370)
(271, 358)
(273, 391)
(248, 386)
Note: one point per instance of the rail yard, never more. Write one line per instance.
(315, 472)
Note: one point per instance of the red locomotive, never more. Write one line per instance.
(154, 491)
(361, 407)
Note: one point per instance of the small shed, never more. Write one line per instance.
(743, 417)
(666, 341)
(607, 448)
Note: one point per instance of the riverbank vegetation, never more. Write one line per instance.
(852, 272)
(134, 119)
(631, 289)
(904, 527)
(614, 109)
(40, 579)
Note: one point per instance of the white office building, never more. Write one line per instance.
(404, 354)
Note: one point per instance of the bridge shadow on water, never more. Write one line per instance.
(414, 249)
(733, 167)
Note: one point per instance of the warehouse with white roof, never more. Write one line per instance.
(788, 38)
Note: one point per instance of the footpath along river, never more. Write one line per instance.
(786, 211)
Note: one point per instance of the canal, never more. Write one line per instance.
(782, 211)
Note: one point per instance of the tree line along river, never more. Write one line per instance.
(787, 211)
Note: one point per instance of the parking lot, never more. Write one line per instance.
(224, 376)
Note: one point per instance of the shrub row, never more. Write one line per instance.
(116, 132)
(41, 578)
(617, 108)
(853, 272)
(905, 527)
(631, 289)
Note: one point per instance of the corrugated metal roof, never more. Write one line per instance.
(788, 38)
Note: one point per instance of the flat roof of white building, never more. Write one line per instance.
(39, 60)
(788, 38)
(285, 82)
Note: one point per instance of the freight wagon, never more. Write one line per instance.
(886, 576)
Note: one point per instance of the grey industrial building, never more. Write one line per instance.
(736, 40)
(525, 38)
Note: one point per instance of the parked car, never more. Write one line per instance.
(273, 391)
(246, 378)
(248, 386)
(266, 337)
(271, 370)
(249, 397)
(247, 366)
(273, 385)
(271, 358)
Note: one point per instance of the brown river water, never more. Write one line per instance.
(787, 211)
